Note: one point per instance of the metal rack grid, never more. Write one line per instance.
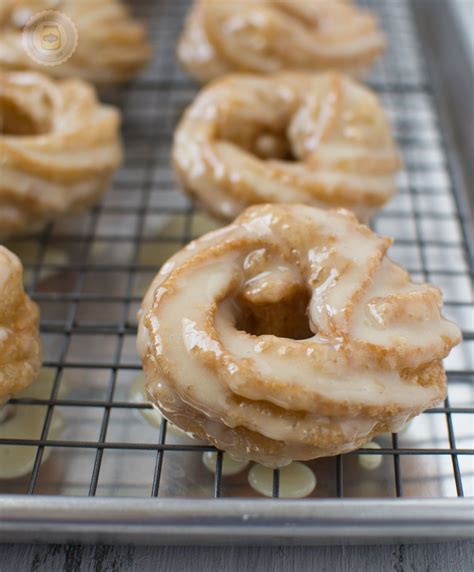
(88, 275)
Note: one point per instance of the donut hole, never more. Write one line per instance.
(273, 146)
(16, 119)
(263, 143)
(287, 318)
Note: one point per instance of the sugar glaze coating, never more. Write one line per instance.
(266, 36)
(317, 139)
(112, 47)
(290, 335)
(59, 146)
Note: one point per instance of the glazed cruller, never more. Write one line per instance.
(291, 335)
(20, 349)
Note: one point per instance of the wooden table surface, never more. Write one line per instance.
(448, 557)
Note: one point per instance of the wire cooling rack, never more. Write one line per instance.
(89, 274)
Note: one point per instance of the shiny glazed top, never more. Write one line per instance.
(265, 36)
(111, 47)
(59, 148)
(292, 325)
(318, 139)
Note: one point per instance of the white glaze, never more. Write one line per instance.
(61, 158)
(336, 130)
(296, 480)
(230, 466)
(20, 347)
(111, 47)
(137, 395)
(264, 37)
(370, 462)
(353, 374)
(153, 416)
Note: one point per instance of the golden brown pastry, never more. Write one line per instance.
(290, 334)
(112, 46)
(20, 350)
(59, 148)
(318, 139)
(270, 35)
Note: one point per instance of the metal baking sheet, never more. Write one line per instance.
(100, 472)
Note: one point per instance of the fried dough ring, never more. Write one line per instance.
(233, 145)
(266, 36)
(112, 46)
(59, 146)
(20, 349)
(290, 335)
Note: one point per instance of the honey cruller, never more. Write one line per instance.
(273, 35)
(20, 349)
(111, 45)
(322, 140)
(59, 149)
(290, 335)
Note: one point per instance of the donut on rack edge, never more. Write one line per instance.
(20, 349)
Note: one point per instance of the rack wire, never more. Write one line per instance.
(89, 275)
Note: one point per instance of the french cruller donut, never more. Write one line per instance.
(270, 35)
(111, 46)
(317, 139)
(59, 148)
(20, 351)
(290, 334)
